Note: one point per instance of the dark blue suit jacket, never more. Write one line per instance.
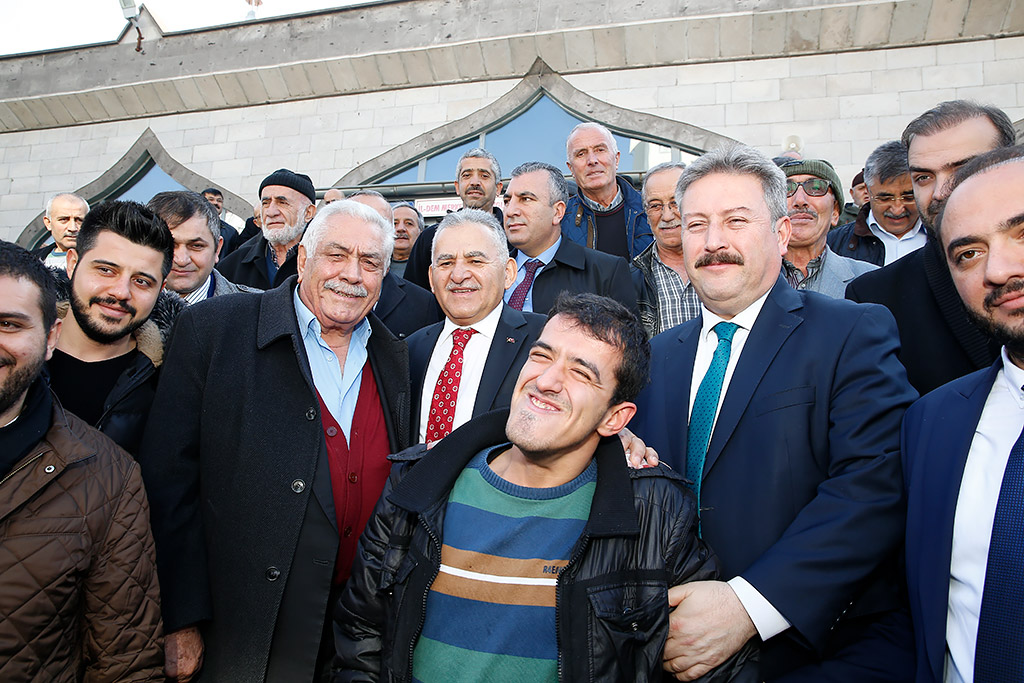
(513, 337)
(404, 307)
(936, 439)
(802, 493)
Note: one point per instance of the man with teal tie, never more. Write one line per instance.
(783, 408)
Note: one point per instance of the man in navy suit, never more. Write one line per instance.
(783, 408)
(962, 448)
(469, 272)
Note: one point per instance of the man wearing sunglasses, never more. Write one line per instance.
(814, 201)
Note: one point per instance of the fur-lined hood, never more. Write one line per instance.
(152, 336)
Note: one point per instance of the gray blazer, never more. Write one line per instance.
(836, 273)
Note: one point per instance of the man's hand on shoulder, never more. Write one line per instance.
(183, 654)
(707, 626)
(638, 454)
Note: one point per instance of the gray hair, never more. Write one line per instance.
(590, 125)
(178, 206)
(346, 207)
(655, 170)
(479, 153)
(473, 217)
(954, 112)
(740, 160)
(54, 197)
(376, 195)
(409, 205)
(887, 162)
(557, 187)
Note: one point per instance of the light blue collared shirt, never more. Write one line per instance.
(339, 390)
(521, 258)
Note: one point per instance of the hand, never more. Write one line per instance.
(707, 626)
(638, 454)
(183, 654)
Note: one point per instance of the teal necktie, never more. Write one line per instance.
(705, 404)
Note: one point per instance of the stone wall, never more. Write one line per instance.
(841, 105)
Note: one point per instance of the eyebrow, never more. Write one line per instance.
(574, 359)
(104, 262)
(967, 240)
(14, 315)
(952, 164)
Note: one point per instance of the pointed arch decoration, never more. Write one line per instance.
(141, 157)
(541, 80)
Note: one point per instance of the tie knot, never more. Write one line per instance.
(461, 336)
(532, 265)
(725, 331)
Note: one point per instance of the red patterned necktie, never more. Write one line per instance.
(446, 391)
(518, 297)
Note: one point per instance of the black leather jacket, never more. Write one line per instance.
(612, 598)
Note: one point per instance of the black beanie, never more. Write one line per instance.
(299, 182)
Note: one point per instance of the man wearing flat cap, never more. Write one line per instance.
(814, 199)
(287, 205)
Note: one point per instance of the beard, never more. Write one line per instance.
(1011, 337)
(17, 383)
(92, 329)
(285, 235)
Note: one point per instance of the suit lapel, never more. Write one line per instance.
(773, 326)
(682, 357)
(391, 296)
(421, 346)
(509, 337)
(940, 486)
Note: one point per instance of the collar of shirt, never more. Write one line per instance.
(657, 259)
(484, 328)
(200, 293)
(744, 319)
(881, 233)
(338, 389)
(544, 257)
(601, 208)
(794, 276)
(1013, 375)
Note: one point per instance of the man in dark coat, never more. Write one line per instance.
(265, 462)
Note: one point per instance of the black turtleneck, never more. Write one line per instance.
(22, 435)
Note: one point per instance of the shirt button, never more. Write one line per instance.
(273, 573)
(332, 431)
(298, 486)
(353, 477)
(347, 532)
(310, 414)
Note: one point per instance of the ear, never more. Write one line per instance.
(835, 213)
(510, 272)
(784, 229)
(51, 338)
(46, 222)
(310, 212)
(617, 155)
(300, 261)
(220, 245)
(500, 185)
(615, 418)
(559, 211)
(71, 260)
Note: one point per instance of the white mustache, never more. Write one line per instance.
(346, 289)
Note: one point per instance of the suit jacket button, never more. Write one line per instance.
(310, 414)
(298, 486)
(273, 573)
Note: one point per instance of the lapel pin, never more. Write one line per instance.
(510, 340)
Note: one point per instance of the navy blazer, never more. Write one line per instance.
(936, 438)
(513, 337)
(404, 307)
(579, 269)
(801, 493)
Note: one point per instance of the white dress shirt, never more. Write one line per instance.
(1001, 422)
(768, 620)
(473, 359)
(897, 247)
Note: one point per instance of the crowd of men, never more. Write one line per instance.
(598, 434)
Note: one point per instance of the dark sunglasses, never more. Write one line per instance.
(814, 187)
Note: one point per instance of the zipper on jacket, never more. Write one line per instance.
(135, 380)
(23, 466)
(581, 545)
(423, 605)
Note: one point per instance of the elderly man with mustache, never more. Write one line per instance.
(814, 199)
(268, 451)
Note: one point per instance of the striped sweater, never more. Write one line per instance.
(491, 610)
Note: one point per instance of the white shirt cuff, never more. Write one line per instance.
(767, 620)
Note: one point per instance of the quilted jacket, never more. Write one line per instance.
(79, 599)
